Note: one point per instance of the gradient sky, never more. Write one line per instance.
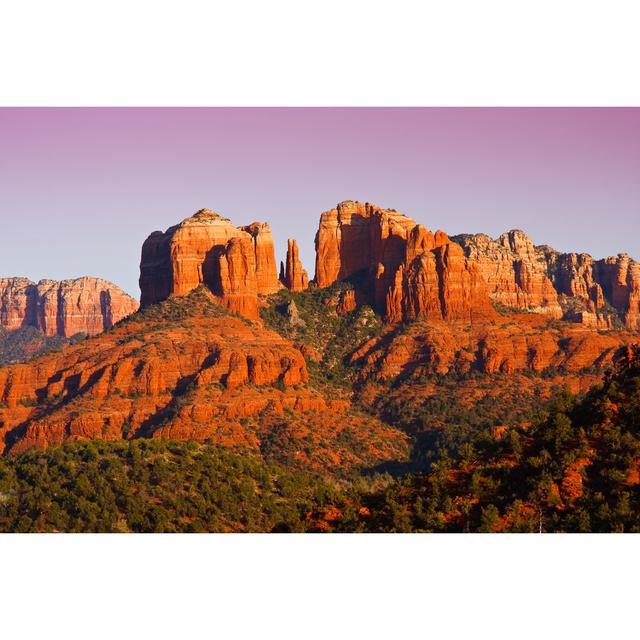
(80, 189)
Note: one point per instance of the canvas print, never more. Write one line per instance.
(320, 320)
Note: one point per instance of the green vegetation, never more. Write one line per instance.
(332, 335)
(574, 470)
(506, 310)
(172, 311)
(441, 423)
(25, 343)
(152, 485)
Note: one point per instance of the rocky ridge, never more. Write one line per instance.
(596, 293)
(185, 369)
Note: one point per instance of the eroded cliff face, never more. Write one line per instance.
(515, 273)
(237, 263)
(620, 281)
(595, 293)
(404, 270)
(63, 308)
(266, 277)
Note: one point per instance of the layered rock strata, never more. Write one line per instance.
(211, 377)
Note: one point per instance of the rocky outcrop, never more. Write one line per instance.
(515, 272)
(620, 281)
(595, 293)
(211, 378)
(293, 315)
(292, 275)
(401, 268)
(266, 277)
(354, 238)
(236, 263)
(346, 302)
(522, 342)
(63, 308)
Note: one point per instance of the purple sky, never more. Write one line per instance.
(80, 189)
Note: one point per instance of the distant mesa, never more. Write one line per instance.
(63, 308)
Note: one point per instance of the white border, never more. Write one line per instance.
(481, 53)
(329, 53)
(315, 586)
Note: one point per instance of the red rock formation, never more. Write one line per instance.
(518, 342)
(18, 303)
(209, 378)
(597, 294)
(620, 278)
(63, 308)
(235, 279)
(266, 276)
(353, 238)
(346, 302)
(207, 249)
(293, 276)
(574, 277)
(515, 272)
(405, 270)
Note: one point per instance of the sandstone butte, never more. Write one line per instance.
(211, 377)
(236, 263)
(65, 308)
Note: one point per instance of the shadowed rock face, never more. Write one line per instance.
(237, 263)
(63, 308)
(266, 278)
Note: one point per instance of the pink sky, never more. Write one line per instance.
(80, 189)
